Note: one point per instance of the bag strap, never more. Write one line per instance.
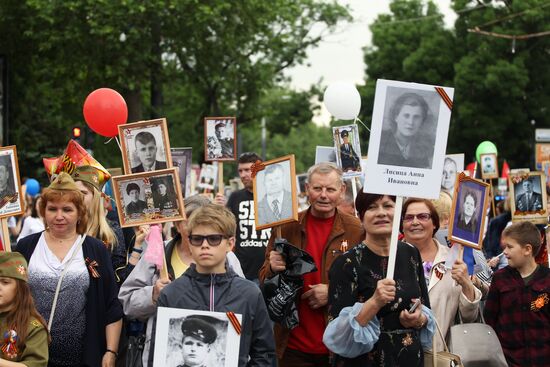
(445, 347)
(58, 288)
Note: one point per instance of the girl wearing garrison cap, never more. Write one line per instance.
(24, 339)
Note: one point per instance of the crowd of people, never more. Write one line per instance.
(78, 290)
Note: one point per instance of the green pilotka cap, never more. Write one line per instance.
(13, 265)
(64, 181)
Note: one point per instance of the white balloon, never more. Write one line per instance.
(342, 100)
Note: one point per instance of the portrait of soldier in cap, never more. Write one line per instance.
(350, 160)
(136, 205)
(198, 336)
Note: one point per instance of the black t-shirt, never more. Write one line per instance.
(250, 244)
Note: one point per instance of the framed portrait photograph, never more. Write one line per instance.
(220, 138)
(275, 193)
(148, 197)
(528, 191)
(301, 182)
(348, 149)
(467, 221)
(181, 158)
(408, 139)
(11, 195)
(325, 154)
(145, 146)
(208, 177)
(489, 166)
(195, 338)
(452, 166)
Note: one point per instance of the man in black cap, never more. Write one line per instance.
(136, 206)
(198, 336)
(350, 160)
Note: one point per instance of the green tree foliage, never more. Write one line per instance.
(498, 90)
(183, 59)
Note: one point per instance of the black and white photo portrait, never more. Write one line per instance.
(219, 138)
(348, 149)
(208, 177)
(408, 132)
(275, 193)
(408, 139)
(468, 212)
(528, 194)
(452, 165)
(148, 197)
(182, 158)
(11, 197)
(489, 166)
(144, 146)
(135, 195)
(190, 338)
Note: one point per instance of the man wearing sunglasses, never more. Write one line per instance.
(209, 285)
(325, 233)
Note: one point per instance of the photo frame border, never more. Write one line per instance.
(494, 174)
(160, 352)
(461, 179)
(234, 121)
(16, 181)
(540, 217)
(293, 181)
(119, 180)
(145, 123)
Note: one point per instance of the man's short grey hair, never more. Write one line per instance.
(324, 168)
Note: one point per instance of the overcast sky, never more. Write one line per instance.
(340, 56)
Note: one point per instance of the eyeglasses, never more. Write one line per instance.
(422, 217)
(212, 239)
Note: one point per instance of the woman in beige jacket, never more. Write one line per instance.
(449, 290)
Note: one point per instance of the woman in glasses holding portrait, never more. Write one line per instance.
(140, 291)
(374, 322)
(450, 290)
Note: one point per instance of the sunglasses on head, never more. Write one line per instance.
(422, 217)
(212, 239)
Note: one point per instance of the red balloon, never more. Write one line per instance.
(105, 109)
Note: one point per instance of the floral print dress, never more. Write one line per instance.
(353, 278)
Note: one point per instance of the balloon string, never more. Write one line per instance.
(118, 143)
(108, 141)
(362, 123)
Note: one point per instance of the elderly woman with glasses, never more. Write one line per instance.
(373, 323)
(450, 290)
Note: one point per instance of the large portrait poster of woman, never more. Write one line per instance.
(410, 124)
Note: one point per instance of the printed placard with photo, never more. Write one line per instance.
(195, 338)
(348, 149)
(181, 158)
(145, 146)
(275, 193)
(11, 195)
(528, 191)
(220, 138)
(467, 221)
(148, 197)
(542, 153)
(325, 154)
(452, 166)
(208, 177)
(489, 166)
(408, 138)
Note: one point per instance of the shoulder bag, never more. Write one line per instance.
(477, 344)
(432, 358)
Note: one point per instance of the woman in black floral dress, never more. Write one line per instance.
(371, 324)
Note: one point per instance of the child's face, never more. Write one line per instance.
(516, 254)
(210, 258)
(8, 287)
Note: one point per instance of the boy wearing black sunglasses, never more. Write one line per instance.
(208, 285)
